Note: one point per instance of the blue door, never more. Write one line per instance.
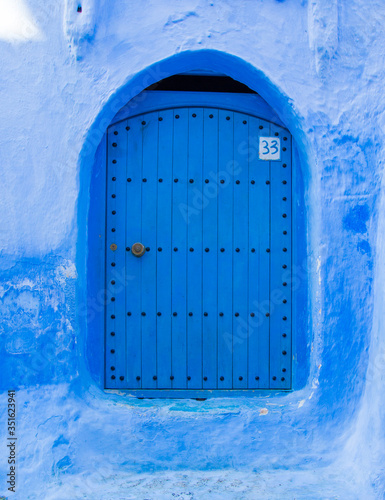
(198, 253)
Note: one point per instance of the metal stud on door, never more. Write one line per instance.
(198, 246)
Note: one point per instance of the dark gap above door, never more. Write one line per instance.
(201, 83)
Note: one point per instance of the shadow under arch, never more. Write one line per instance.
(91, 294)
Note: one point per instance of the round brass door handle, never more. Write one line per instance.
(138, 249)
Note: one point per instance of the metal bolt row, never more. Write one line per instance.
(221, 314)
(113, 377)
(194, 115)
(191, 249)
(191, 181)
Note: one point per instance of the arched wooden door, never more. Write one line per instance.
(206, 191)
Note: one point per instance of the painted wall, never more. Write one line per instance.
(65, 74)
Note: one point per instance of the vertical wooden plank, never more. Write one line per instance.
(225, 242)
(115, 257)
(259, 259)
(148, 260)
(210, 262)
(241, 253)
(280, 331)
(196, 248)
(134, 264)
(179, 244)
(164, 248)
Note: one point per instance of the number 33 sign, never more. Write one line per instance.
(269, 148)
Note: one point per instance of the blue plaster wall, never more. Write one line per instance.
(320, 65)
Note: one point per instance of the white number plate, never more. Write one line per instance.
(269, 148)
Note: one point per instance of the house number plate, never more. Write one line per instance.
(269, 148)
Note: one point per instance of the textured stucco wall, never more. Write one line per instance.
(320, 65)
